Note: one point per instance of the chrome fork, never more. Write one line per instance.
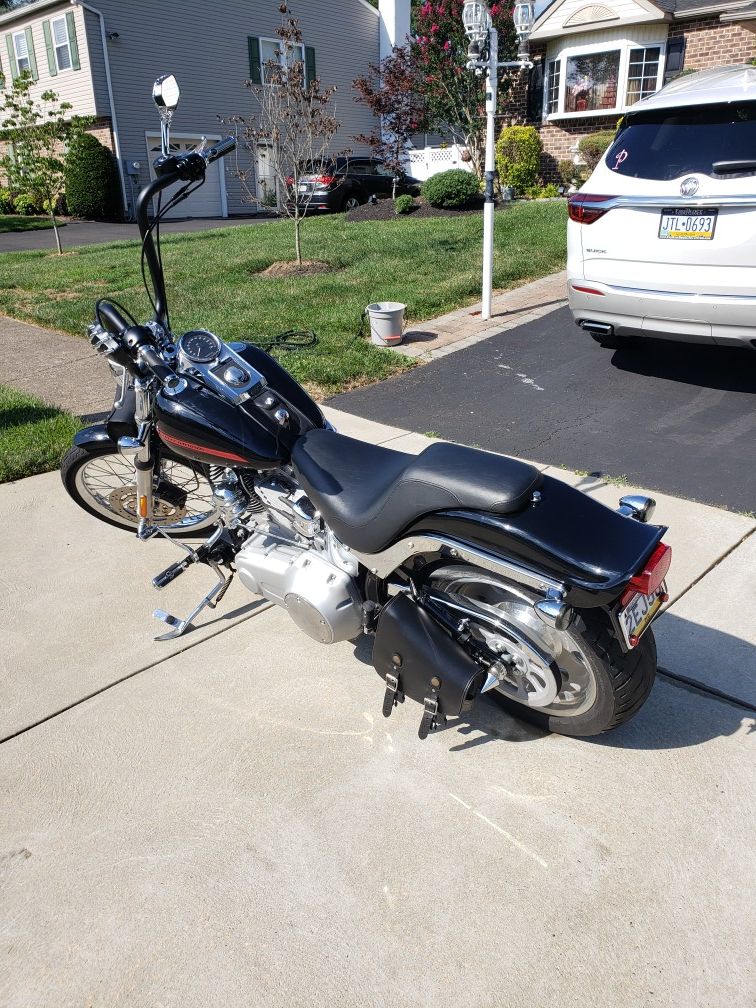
(138, 448)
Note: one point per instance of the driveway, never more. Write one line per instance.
(668, 416)
(228, 820)
(96, 232)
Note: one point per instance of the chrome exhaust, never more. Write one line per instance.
(597, 328)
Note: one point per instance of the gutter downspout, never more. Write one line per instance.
(113, 118)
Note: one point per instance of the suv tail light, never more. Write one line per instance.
(650, 579)
(580, 208)
(324, 179)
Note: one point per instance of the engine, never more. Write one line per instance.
(292, 559)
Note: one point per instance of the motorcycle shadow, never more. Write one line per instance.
(675, 716)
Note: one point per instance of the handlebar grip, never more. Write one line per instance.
(148, 355)
(111, 319)
(220, 149)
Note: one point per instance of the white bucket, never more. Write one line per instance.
(386, 322)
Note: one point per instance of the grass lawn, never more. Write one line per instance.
(213, 280)
(15, 222)
(33, 436)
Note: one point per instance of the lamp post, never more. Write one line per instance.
(483, 58)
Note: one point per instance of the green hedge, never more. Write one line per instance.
(92, 186)
(451, 189)
(593, 147)
(518, 156)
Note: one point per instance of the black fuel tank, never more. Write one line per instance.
(201, 426)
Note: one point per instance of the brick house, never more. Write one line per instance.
(593, 61)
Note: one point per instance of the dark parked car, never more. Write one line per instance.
(345, 183)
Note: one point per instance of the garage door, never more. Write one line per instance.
(206, 201)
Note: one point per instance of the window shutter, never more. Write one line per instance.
(32, 57)
(73, 44)
(52, 65)
(535, 93)
(255, 67)
(675, 56)
(11, 56)
(310, 71)
(2, 77)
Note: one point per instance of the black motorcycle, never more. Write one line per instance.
(472, 571)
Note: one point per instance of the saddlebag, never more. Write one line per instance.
(419, 659)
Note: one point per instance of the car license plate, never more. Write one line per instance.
(688, 223)
(305, 186)
(635, 616)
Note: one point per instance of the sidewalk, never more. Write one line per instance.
(231, 821)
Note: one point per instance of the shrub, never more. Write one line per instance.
(518, 156)
(92, 187)
(404, 204)
(6, 202)
(452, 189)
(24, 204)
(593, 147)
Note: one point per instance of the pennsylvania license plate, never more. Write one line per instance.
(687, 223)
(635, 617)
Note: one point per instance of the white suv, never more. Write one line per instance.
(662, 237)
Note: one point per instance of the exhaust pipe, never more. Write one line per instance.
(597, 328)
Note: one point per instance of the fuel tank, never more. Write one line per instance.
(199, 425)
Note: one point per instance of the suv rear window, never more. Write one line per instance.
(667, 143)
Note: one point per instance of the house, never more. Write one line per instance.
(593, 61)
(103, 59)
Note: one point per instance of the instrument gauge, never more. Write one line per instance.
(200, 346)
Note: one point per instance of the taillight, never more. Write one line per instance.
(650, 579)
(580, 208)
(324, 179)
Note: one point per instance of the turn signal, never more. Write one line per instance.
(580, 209)
(650, 579)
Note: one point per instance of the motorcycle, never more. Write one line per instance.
(474, 573)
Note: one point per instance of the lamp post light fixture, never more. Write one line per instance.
(483, 58)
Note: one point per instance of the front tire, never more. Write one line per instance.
(102, 483)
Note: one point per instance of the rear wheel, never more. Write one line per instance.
(102, 482)
(350, 203)
(577, 681)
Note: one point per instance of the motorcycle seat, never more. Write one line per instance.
(369, 494)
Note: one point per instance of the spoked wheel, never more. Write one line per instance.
(576, 681)
(350, 203)
(103, 483)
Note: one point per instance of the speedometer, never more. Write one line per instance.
(200, 346)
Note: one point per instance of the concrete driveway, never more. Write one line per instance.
(98, 232)
(229, 820)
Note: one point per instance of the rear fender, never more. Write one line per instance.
(566, 535)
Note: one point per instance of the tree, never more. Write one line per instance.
(37, 132)
(453, 95)
(294, 119)
(92, 184)
(390, 92)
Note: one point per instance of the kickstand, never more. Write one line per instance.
(210, 601)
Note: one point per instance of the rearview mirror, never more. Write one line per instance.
(165, 94)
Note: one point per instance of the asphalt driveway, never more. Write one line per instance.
(668, 416)
(97, 232)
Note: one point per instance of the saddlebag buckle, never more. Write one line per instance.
(417, 658)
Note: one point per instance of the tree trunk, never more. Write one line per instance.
(297, 242)
(57, 233)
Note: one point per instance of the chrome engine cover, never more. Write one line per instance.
(320, 597)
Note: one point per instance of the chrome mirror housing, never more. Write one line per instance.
(165, 94)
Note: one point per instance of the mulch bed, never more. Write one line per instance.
(384, 210)
(306, 268)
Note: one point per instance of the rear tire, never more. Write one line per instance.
(350, 203)
(101, 482)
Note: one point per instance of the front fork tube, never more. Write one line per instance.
(139, 448)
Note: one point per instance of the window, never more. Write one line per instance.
(669, 143)
(592, 82)
(273, 51)
(642, 73)
(61, 44)
(553, 80)
(22, 51)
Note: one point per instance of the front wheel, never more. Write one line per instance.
(102, 482)
(577, 681)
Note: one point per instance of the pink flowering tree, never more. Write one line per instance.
(454, 97)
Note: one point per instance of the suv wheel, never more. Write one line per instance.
(350, 203)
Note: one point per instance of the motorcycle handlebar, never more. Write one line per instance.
(220, 149)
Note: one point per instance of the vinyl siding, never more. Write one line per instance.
(74, 86)
(626, 12)
(205, 45)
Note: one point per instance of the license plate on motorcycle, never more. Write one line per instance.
(687, 223)
(635, 616)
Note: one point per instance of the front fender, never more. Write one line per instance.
(93, 438)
